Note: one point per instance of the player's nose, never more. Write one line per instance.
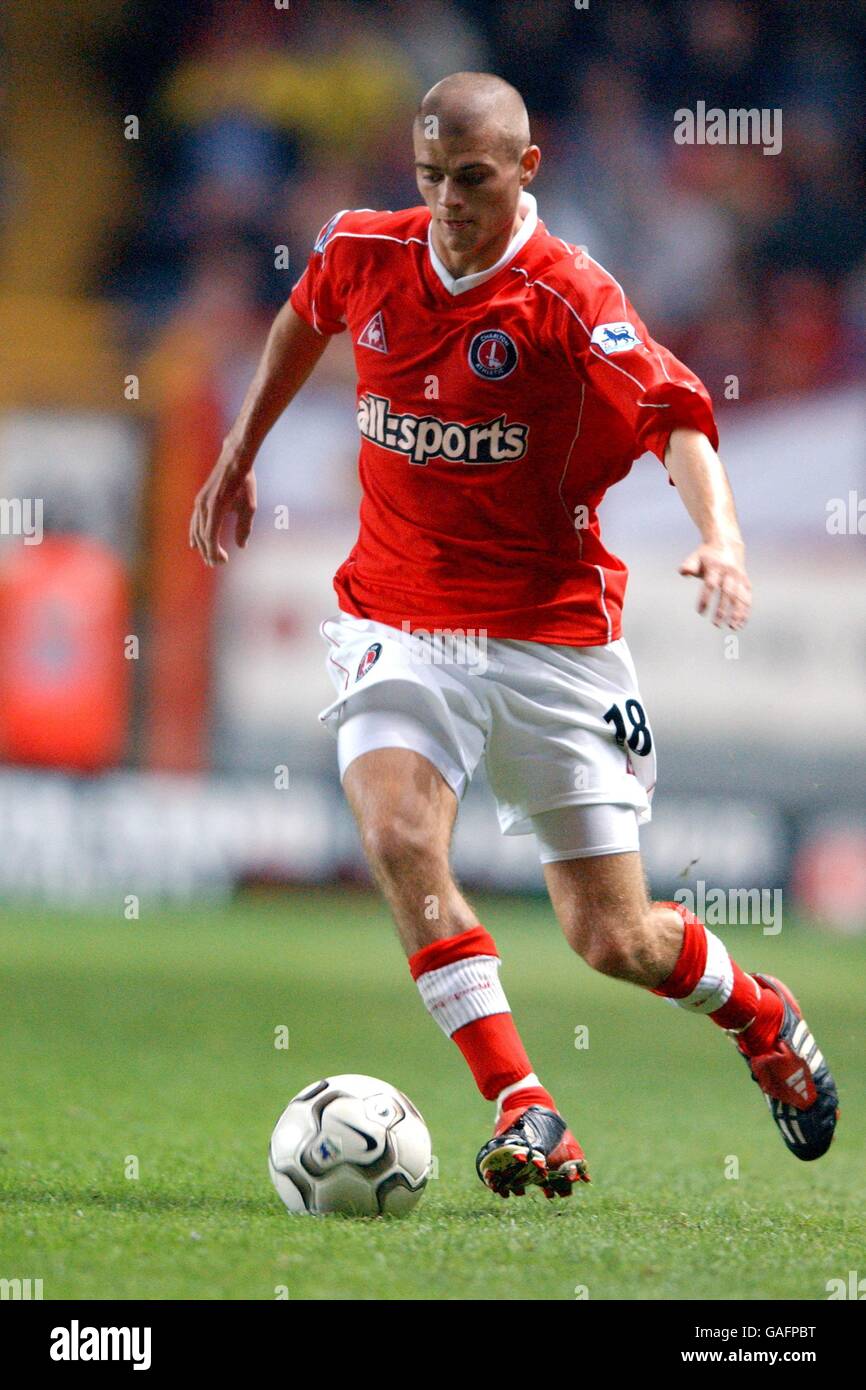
(451, 195)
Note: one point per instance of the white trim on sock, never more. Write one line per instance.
(736, 1031)
(715, 985)
(463, 991)
(530, 1080)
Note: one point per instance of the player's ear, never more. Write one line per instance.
(529, 162)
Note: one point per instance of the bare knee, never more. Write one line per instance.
(623, 946)
(593, 929)
(603, 941)
(396, 845)
(405, 813)
(403, 807)
(603, 909)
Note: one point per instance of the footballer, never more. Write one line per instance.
(505, 382)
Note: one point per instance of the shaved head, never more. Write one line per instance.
(467, 105)
(473, 160)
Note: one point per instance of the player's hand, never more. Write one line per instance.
(228, 489)
(725, 583)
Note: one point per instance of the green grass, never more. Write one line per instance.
(156, 1039)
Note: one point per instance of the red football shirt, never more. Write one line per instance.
(494, 411)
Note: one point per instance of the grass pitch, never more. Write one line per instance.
(148, 1047)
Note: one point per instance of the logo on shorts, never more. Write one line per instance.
(492, 354)
(370, 657)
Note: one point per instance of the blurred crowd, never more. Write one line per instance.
(260, 121)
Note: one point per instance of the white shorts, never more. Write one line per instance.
(568, 749)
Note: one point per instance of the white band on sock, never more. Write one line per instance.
(530, 1080)
(715, 985)
(459, 993)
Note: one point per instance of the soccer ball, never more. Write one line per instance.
(350, 1144)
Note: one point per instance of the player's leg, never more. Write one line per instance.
(410, 732)
(405, 811)
(603, 907)
(572, 757)
(601, 901)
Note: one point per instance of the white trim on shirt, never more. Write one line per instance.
(459, 284)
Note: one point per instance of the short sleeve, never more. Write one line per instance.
(646, 384)
(319, 295)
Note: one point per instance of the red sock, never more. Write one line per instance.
(707, 980)
(458, 978)
(760, 1035)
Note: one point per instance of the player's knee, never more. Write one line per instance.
(609, 955)
(396, 844)
(623, 948)
(576, 926)
(590, 932)
(603, 940)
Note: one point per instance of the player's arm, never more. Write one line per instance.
(670, 413)
(291, 352)
(701, 481)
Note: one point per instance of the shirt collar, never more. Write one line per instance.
(458, 285)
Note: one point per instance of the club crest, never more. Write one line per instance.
(492, 354)
(370, 657)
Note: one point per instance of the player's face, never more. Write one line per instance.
(472, 188)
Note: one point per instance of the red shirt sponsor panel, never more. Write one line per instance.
(494, 412)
